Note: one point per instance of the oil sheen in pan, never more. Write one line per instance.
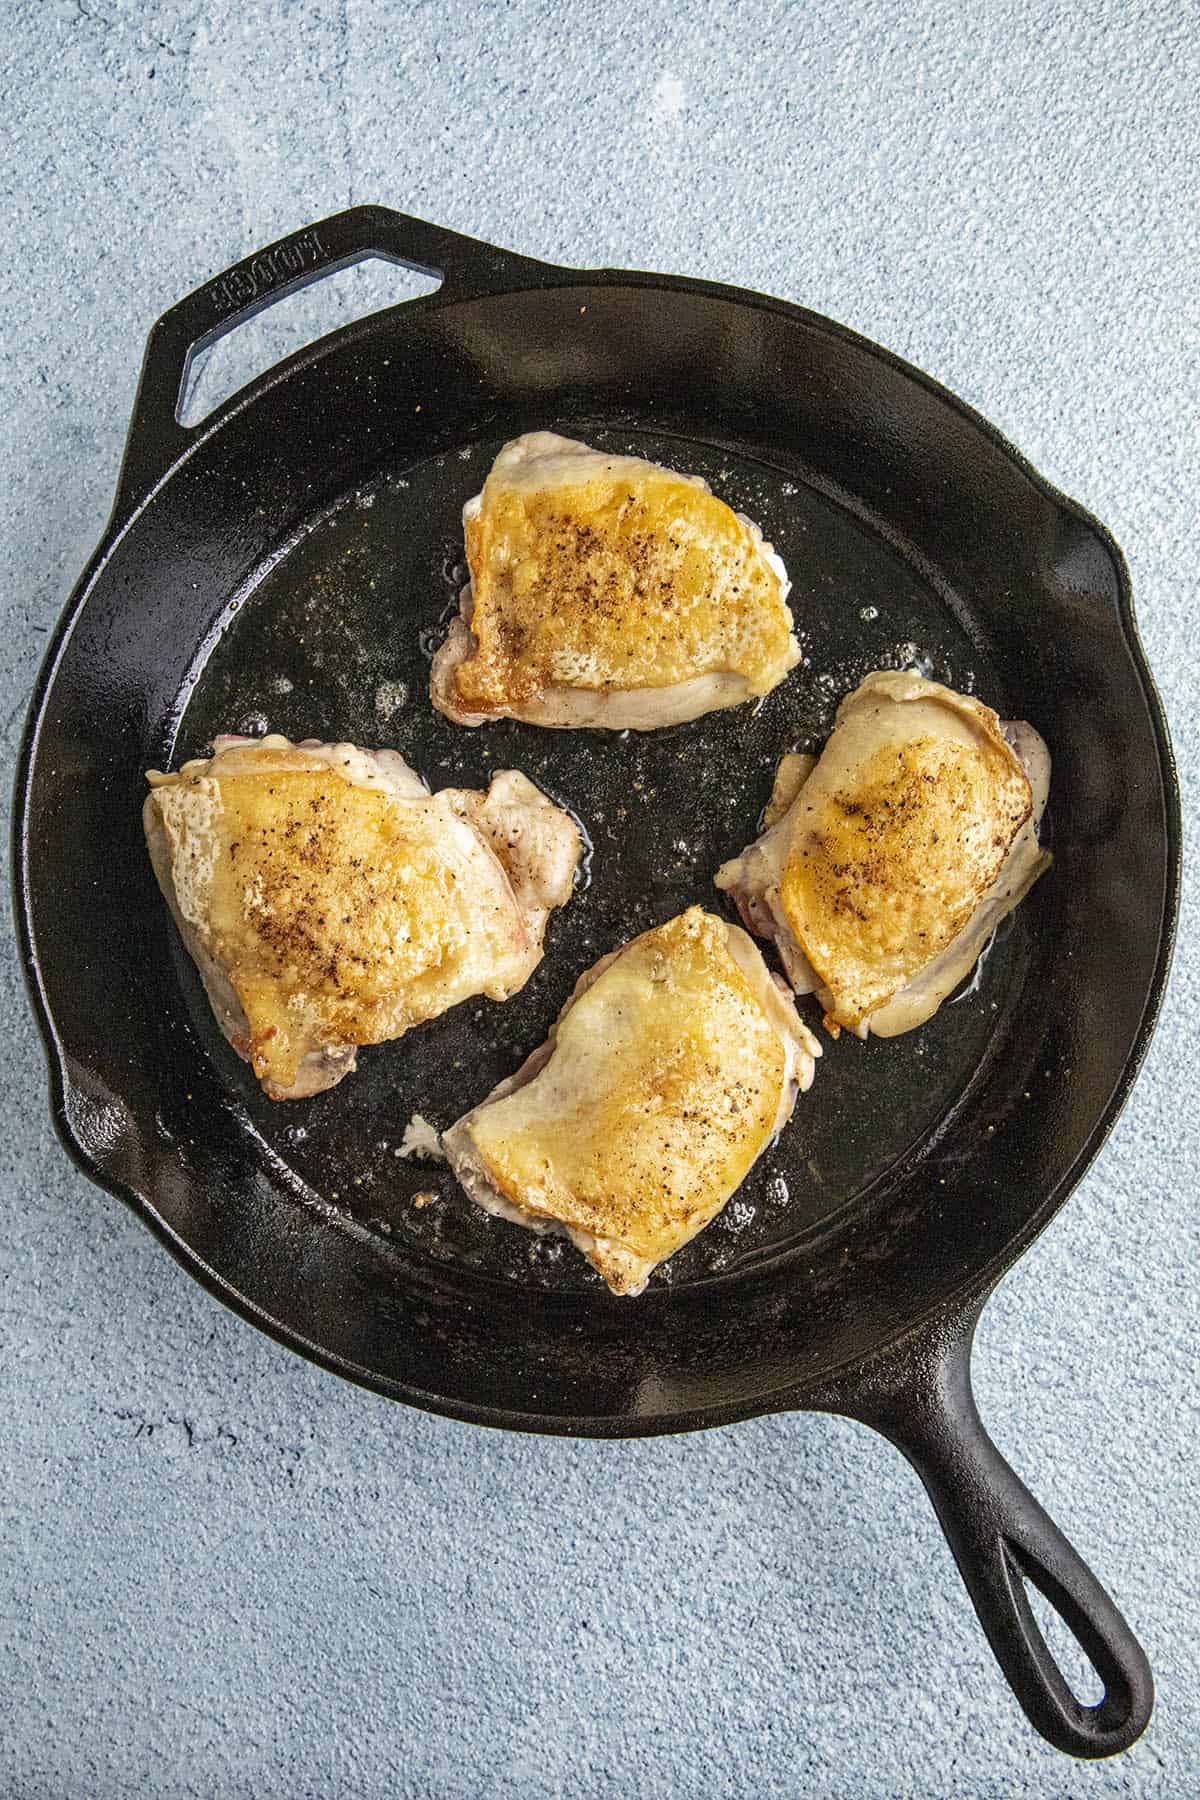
(334, 641)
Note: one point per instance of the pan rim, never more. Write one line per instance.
(975, 1286)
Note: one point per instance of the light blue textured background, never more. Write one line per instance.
(223, 1573)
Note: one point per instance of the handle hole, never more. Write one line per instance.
(288, 324)
(1076, 1666)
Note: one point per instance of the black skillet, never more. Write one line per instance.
(288, 562)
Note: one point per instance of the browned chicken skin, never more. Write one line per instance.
(887, 863)
(675, 1063)
(608, 591)
(329, 900)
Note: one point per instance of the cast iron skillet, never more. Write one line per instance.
(288, 562)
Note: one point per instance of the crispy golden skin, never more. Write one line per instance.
(668, 1073)
(331, 901)
(897, 836)
(611, 575)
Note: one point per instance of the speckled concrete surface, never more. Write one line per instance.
(223, 1573)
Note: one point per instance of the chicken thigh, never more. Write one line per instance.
(330, 900)
(673, 1066)
(608, 591)
(887, 864)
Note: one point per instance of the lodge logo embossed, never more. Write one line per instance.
(268, 270)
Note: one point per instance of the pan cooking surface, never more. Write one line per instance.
(334, 640)
(849, 1270)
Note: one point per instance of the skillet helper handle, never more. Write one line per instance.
(156, 438)
(1001, 1537)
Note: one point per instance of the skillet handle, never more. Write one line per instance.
(919, 1395)
(156, 438)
